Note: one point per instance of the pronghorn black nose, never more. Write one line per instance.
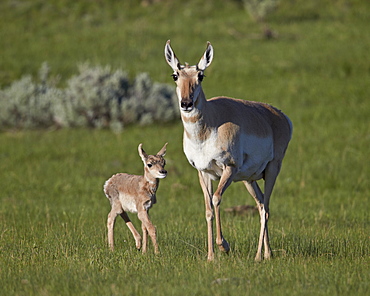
(186, 104)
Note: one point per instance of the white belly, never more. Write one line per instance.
(250, 155)
(128, 203)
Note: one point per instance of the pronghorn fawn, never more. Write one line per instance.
(136, 194)
(229, 140)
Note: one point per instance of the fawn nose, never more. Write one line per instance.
(163, 172)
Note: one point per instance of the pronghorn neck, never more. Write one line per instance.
(196, 116)
(151, 184)
(201, 101)
(197, 123)
(151, 180)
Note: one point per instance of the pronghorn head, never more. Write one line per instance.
(154, 164)
(188, 78)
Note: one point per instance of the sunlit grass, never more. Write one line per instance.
(53, 217)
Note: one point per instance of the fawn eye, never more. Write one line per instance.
(149, 165)
(201, 76)
(175, 77)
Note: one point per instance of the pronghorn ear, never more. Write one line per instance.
(171, 57)
(207, 58)
(162, 152)
(142, 153)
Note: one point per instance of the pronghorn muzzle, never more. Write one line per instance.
(188, 100)
(187, 104)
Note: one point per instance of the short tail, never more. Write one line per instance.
(105, 188)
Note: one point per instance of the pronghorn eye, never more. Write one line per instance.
(175, 77)
(201, 76)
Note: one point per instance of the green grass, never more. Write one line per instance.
(53, 221)
(53, 210)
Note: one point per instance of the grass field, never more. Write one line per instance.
(53, 210)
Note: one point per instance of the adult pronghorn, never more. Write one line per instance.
(230, 140)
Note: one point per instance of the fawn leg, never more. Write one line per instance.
(148, 228)
(133, 230)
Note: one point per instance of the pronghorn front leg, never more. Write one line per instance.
(206, 184)
(148, 228)
(225, 181)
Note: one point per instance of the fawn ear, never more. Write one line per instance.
(142, 153)
(162, 152)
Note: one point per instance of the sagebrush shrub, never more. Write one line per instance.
(97, 97)
(26, 105)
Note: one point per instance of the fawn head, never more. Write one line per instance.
(154, 164)
(188, 78)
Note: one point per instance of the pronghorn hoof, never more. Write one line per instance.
(224, 246)
(210, 258)
(258, 258)
(268, 256)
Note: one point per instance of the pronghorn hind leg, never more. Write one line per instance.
(152, 233)
(133, 230)
(271, 172)
(110, 225)
(112, 215)
(258, 196)
(268, 251)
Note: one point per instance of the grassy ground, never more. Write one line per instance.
(53, 216)
(53, 211)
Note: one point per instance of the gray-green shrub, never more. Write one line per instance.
(97, 97)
